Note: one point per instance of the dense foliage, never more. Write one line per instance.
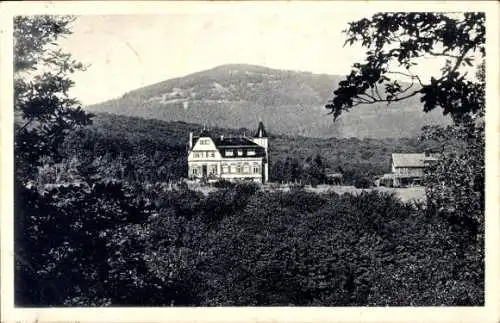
(112, 244)
(396, 43)
(136, 149)
(44, 110)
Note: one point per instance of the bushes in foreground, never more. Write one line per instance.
(109, 245)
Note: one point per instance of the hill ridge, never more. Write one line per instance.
(291, 102)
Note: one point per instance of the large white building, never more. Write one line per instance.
(228, 157)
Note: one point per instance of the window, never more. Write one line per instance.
(196, 155)
(213, 169)
(232, 169)
(225, 168)
(256, 169)
(246, 169)
(240, 152)
(229, 152)
(251, 152)
(194, 171)
(238, 169)
(212, 154)
(204, 142)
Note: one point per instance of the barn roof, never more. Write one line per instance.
(408, 160)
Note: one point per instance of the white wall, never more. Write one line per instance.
(409, 171)
(203, 149)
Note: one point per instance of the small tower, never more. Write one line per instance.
(261, 139)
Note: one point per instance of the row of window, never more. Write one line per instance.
(226, 169)
(204, 154)
(245, 169)
(211, 169)
(230, 153)
(227, 153)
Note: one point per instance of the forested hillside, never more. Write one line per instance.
(153, 150)
(290, 102)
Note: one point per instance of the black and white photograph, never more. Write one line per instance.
(250, 155)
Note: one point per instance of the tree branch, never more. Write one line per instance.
(24, 126)
(443, 54)
(411, 76)
(369, 96)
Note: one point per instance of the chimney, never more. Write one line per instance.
(190, 140)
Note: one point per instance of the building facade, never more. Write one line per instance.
(408, 169)
(230, 158)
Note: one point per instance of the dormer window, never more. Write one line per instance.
(251, 152)
(204, 142)
(240, 152)
(229, 153)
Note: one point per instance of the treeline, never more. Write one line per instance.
(111, 243)
(132, 149)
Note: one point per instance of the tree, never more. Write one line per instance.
(44, 113)
(43, 107)
(396, 42)
(455, 185)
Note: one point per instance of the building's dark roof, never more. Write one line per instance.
(205, 133)
(261, 131)
(236, 144)
(258, 151)
(233, 142)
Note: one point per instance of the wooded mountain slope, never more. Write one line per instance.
(289, 102)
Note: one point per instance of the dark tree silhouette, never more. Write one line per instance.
(396, 42)
(44, 110)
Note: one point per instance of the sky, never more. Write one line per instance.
(126, 52)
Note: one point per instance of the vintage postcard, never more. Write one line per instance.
(248, 161)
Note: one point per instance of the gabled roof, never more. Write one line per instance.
(409, 160)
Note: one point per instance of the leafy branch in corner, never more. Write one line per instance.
(395, 42)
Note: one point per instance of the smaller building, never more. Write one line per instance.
(408, 169)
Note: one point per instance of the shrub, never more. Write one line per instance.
(362, 182)
(223, 183)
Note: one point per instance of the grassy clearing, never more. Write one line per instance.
(405, 194)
